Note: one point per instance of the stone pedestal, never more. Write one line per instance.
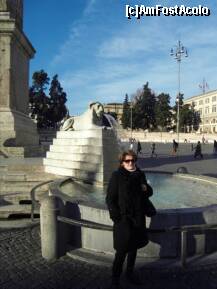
(16, 127)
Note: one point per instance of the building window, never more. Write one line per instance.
(207, 100)
(200, 102)
(200, 111)
(214, 98)
(206, 110)
(214, 108)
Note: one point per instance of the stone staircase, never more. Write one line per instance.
(17, 178)
(88, 154)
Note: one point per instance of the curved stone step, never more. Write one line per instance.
(15, 210)
(19, 197)
(82, 142)
(68, 164)
(79, 174)
(75, 157)
(27, 177)
(78, 149)
(20, 186)
(96, 133)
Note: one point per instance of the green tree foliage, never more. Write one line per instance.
(144, 109)
(196, 120)
(126, 121)
(38, 101)
(189, 118)
(113, 114)
(57, 108)
(163, 112)
(48, 110)
(185, 118)
(179, 100)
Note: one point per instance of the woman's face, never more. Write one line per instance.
(129, 163)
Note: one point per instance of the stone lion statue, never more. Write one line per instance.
(92, 118)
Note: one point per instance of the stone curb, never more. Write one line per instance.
(102, 259)
(6, 225)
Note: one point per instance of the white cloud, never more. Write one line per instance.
(136, 52)
(90, 8)
(78, 28)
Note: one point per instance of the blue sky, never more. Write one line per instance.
(101, 55)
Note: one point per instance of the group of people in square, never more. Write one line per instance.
(137, 147)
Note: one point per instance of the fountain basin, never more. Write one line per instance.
(84, 201)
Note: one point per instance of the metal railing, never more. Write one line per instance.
(32, 196)
(183, 230)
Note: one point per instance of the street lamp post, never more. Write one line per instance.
(131, 116)
(178, 52)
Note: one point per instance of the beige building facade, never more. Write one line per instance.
(116, 108)
(206, 105)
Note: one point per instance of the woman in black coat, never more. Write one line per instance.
(126, 195)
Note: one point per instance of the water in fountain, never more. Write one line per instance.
(167, 194)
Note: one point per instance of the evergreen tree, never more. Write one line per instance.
(144, 114)
(57, 108)
(196, 120)
(126, 121)
(163, 111)
(48, 111)
(113, 114)
(38, 101)
(189, 118)
(175, 108)
(186, 118)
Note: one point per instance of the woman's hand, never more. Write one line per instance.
(144, 188)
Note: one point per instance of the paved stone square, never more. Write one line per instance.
(165, 161)
(23, 267)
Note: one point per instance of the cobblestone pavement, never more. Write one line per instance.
(22, 266)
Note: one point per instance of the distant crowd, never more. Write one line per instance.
(135, 145)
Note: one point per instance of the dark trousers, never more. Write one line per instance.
(198, 154)
(119, 261)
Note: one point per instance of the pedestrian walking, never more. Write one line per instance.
(215, 147)
(126, 195)
(131, 143)
(175, 147)
(139, 148)
(198, 151)
(153, 147)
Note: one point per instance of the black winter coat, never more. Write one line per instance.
(126, 204)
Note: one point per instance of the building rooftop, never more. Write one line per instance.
(202, 94)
